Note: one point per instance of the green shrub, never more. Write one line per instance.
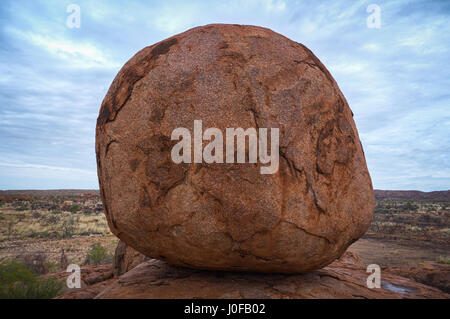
(97, 255)
(19, 282)
(68, 228)
(35, 262)
(88, 211)
(36, 215)
(443, 260)
(74, 208)
(10, 229)
(52, 266)
(52, 219)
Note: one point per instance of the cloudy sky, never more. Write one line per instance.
(53, 78)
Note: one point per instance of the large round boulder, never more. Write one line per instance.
(300, 216)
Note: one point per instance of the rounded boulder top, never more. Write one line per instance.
(315, 196)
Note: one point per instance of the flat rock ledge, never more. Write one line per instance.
(344, 278)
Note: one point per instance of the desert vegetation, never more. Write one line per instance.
(19, 281)
(46, 231)
(43, 232)
(407, 231)
(53, 217)
(427, 219)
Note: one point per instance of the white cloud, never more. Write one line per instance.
(274, 5)
(79, 55)
(47, 168)
(171, 21)
(395, 78)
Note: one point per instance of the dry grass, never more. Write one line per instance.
(20, 225)
(50, 225)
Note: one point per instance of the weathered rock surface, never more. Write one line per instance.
(229, 216)
(86, 292)
(344, 278)
(98, 276)
(126, 258)
(429, 273)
